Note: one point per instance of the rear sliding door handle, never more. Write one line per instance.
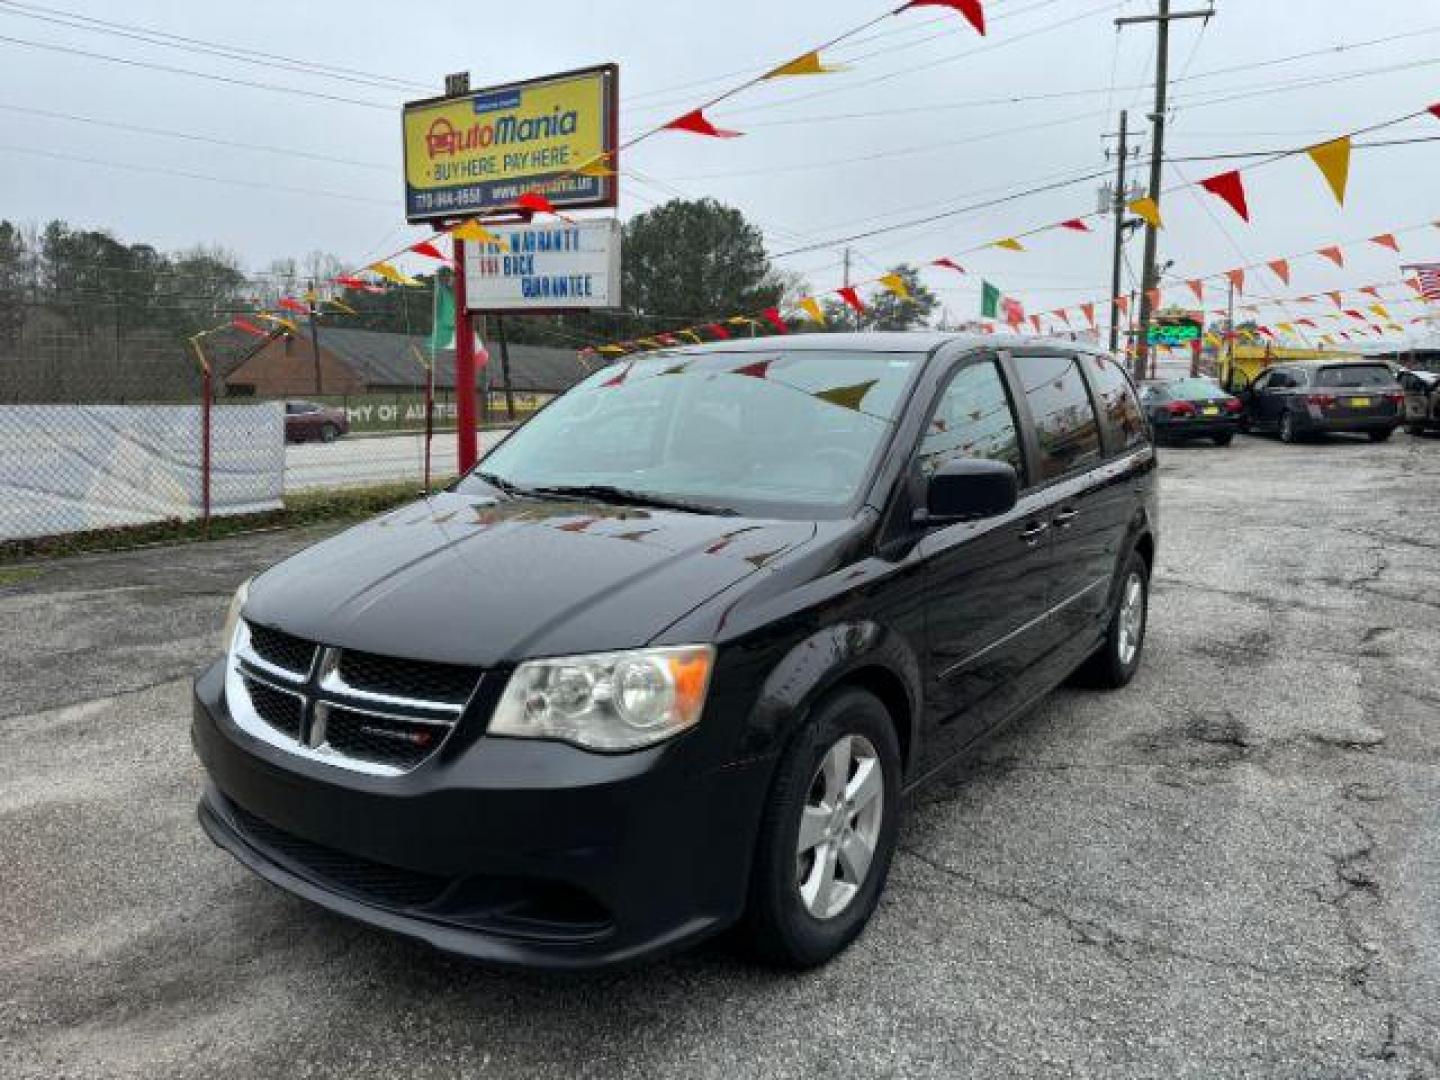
(1065, 518)
(1032, 533)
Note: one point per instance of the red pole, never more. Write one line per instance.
(464, 368)
(205, 449)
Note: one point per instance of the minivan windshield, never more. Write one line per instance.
(1377, 375)
(779, 433)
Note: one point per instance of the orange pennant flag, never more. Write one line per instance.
(1333, 160)
(809, 64)
(1089, 310)
(1153, 295)
(1122, 304)
(1334, 254)
(1198, 288)
(1148, 210)
(1237, 278)
(1281, 268)
(1386, 240)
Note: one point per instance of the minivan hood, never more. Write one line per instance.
(482, 582)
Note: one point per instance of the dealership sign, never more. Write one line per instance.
(1179, 332)
(480, 151)
(545, 268)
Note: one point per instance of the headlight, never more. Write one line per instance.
(607, 701)
(232, 617)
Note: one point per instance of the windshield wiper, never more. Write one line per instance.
(515, 491)
(625, 496)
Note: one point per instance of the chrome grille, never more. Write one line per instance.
(354, 710)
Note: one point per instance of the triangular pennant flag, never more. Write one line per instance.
(1059, 313)
(1379, 309)
(1198, 288)
(812, 307)
(1231, 188)
(847, 397)
(719, 331)
(896, 284)
(1371, 290)
(1333, 160)
(852, 298)
(312, 297)
(278, 321)
(1153, 295)
(1122, 305)
(359, 285)
(1035, 322)
(1354, 314)
(291, 304)
(1386, 240)
(1305, 322)
(1089, 310)
(537, 203)
(429, 250)
(1334, 254)
(692, 335)
(948, 264)
(596, 166)
(1339, 303)
(1285, 328)
(341, 306)
(620, 378)
(248, 327)
(389, 273)
(772, 316)
(1009, 244)
(809, 64)
(1281, 268)
(1147, 210)
(1075, 224)
(1237, 278)
(696, 123)
(973, 10)
(756, 370)
(1434, 110)
(611, 350)
(473, 230)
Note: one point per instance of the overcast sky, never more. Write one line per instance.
(809, 169)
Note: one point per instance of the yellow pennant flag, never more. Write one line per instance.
(896, 284)
(311, 297)
(696, 338)
(1285, 327)
(1148, 210)
(741, 320)
(649, 343)
(346, 308)
(1333, 160)
(611, 350)
(1327, 339)
(596, 166)
(1379, 309)
(812, 307)
(473, 230)
(1212, 338)
(809, 64)
(390, 273)
(1009, 244)
(286, 323)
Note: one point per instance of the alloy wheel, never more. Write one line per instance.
(1131, 623)
(840, 826)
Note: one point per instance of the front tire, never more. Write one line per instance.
(1288, 434)
(329, 433)
(1415, 429)
(828, 833)
(1114, 664)
(1224, 440)
(1380, 436)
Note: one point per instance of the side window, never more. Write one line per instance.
(972, 419)
(1065, 424)
(1117, 403)
(1261, 383)
(1280, 380)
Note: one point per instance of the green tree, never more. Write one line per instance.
(14, 276)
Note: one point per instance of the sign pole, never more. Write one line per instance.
(464, 368)
(505, 367)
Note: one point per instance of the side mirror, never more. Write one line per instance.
(969, 489)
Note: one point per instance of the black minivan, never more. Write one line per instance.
(672, 657)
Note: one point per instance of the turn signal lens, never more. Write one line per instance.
(232, 616)
(607, 701)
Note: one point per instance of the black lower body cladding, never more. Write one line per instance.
(512, 852)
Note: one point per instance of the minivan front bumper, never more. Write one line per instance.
(510, 851)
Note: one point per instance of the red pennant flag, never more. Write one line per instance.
(618, 379)
(696, 123)
(1237, 278)
(667, 339)
(1089, 310)
(1282, 270)
(358, 285)
(949, 264)
(534, 201)
(1334, 254)
(756, 370)
(772, 316)
(1264, 330)
(1305, 322)
(1059, 313)
(852, 298)
(1035, 322)
(290, 304)
(1077, 224)
(1153, 295)
(1228, 186)
(1386, 240)
(719, 331)
(1371, 290)
(1122, 304)
(973, 10)
(1198, 288)
(1354, 314)
(249, 327)
(1414, 283)
(1434, 110)
(429, 250)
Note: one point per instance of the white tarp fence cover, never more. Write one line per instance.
(71, 468)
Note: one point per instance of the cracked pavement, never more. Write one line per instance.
(1232, 868)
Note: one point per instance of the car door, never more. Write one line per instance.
(1272, 398)
(1057, 403)
(986, 580)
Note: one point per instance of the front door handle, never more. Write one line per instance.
(1065, 518)
(1032, 533)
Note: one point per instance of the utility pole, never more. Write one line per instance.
(1150, 279)
(850, 315)
(314, 334)
(1118, 209)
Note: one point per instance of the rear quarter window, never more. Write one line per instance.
(1065, 424)
(1115, 395)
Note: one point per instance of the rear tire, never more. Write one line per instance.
(1288, 434)
(1415, 429)
(797, 917)
(1224, 440)
(1114, 664)
(329, 433)
(1380, 436)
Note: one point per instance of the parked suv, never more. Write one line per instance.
(673, 655)
(1422, 400)
(1297, 400)
(306, 420)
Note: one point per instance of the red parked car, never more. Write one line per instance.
(306, 420)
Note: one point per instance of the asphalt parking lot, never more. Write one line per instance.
(1230, 869)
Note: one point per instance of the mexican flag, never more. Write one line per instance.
(989, 301)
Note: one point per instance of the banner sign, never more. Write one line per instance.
(1174, 333)
(546, 268)
(479, 152)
